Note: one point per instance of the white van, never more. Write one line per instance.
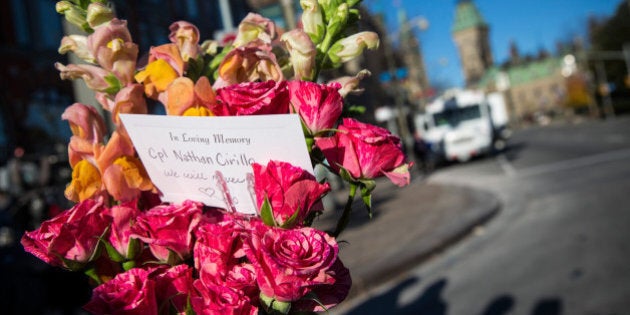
(462, 124)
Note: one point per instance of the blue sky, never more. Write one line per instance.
(532, 24)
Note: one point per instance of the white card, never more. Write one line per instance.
(186, 157)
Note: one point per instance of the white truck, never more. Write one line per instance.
(462, 124)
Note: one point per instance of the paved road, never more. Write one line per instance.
(559, 246)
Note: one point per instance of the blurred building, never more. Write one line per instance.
(32, 96)
(532, 85)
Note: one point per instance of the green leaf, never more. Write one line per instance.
(91, 272)
(113, 254)
(345, 175)
(134, 248)
(291, 221)
(353, 110)
(313, 297)
(114, 84)
(366, 195)
(266, 213)
(129, 264)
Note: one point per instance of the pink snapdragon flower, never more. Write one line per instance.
(88, 129)
(94, 77)
(113, 49)
(129, 100)
(186, 36)
(256, 29)
(302, 53)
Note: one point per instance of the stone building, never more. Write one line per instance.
(532, 86)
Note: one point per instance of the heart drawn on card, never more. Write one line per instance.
(208, 191)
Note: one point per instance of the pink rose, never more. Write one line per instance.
(289, 263)
(220, 300)
(289, 189)
(120, 231)
(219, 255)
(169, 228)
(319, 105)
(71, 238)
(366, 152)
(174, 285)
(255, 98)
(328, 295)
(131, 292)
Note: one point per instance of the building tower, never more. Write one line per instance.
(470, 33)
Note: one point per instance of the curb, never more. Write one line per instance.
(402, 235)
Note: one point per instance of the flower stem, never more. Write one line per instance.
(345, 217)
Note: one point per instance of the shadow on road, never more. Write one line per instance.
(431, 302)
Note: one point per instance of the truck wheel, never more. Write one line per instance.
(499, 145)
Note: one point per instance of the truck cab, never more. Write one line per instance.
(462, 124)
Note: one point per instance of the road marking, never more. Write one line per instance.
(576, 163)
(506, 166)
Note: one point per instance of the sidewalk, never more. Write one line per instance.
(409, 225)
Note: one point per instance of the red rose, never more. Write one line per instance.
(254, 98)
(328, 295)
(168, 229)
(122, 218)
(319, 105)
(131, 292)
(71, 237)
(219, 255)
(366, 152)
(174, 285)
(289, 263)
(220, 300)
(288, 188)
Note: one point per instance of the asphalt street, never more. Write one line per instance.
(558, 246)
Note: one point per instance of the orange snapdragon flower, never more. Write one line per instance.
(86, 182)
(185, 98)
(123, 175)
(165, 65)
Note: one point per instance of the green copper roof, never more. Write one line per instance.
(524, 73)
(467, 16)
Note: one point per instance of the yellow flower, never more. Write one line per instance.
(197, 111)
(156, 77)
(86, 182)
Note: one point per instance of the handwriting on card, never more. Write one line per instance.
(209, 159)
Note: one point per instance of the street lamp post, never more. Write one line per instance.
(398, 90)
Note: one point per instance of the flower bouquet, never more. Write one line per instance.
(148, 256)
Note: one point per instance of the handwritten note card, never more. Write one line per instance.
(208, 159)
